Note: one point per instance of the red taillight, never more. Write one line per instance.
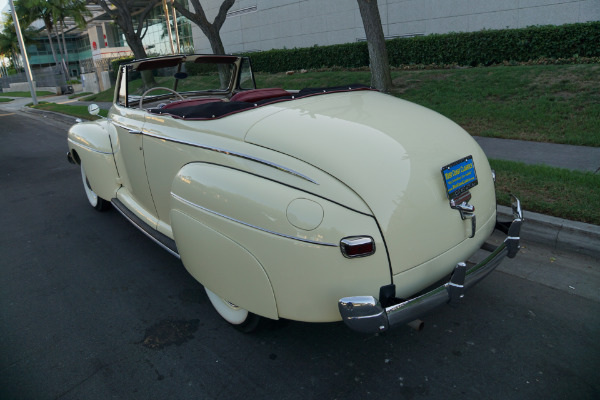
(357, 246)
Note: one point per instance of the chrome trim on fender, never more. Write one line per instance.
(234, 154)
(250, 225)
(218, 150)
(88, 148)
(366, 314)
(132, 131)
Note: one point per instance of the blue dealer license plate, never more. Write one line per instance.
(459, 176)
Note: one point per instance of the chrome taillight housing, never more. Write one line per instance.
(357, 246)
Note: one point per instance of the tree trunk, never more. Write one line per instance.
(210, 30)
(51, 46)
(62, 33)
(137, 48)
(61, 53)
(381, 77)
(63, 67)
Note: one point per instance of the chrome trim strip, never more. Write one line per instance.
(234, 154)
(250, 225)
(118, 124)
(88, 148)
(141, 229)
(130, 130)
(219, 150)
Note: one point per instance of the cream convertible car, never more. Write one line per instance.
(314, 205)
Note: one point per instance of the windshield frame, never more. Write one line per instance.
(237, 65)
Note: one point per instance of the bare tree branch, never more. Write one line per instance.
(222, 15)
(210, 30)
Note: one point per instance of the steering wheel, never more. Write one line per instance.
(157, 88)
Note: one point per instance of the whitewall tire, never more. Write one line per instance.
(240, 318)
(95, 201)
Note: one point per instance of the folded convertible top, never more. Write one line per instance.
(219, 109)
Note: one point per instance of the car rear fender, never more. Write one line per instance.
(90, 144)
(270, 248)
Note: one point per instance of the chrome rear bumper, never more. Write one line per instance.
(366, 314)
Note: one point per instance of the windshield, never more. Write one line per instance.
(185, 78)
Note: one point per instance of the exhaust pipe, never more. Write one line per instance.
(70, 158)
(417, 325)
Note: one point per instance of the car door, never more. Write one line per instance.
(129, 157)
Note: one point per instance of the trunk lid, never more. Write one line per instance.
(390, 152)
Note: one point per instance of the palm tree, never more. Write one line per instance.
(63, 9)
(9, 43)
(34, 10)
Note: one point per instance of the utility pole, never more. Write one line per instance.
(23, 52)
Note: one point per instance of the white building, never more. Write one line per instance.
(254, 25)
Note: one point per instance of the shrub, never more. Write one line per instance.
(471, 48)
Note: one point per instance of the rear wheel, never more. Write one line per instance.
(241, 319)
(95, 201)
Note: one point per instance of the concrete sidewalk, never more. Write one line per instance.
(556, 233)
(580, 158)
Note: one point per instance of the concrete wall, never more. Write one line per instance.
(90, 82)
(24, 87)
(266, 24)
(20, 87)
(104, 81)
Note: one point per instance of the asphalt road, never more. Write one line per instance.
(91, 309)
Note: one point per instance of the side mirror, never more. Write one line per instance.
(93, 109)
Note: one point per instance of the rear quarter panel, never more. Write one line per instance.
(304, 267)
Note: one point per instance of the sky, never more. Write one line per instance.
(3, 4)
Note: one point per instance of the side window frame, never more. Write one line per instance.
(122, 95)
(242, 62)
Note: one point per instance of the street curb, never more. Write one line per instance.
(558, 233)
(63, 118)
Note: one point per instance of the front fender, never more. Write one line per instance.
(91, 146)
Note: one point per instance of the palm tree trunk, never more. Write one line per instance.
(62, 56)
(61, 53)
(66, 53)
(52, 46)
(62, 33)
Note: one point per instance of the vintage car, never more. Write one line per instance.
(312, 205)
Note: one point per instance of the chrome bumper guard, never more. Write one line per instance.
(365, 313)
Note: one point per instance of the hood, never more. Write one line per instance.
(390, 152)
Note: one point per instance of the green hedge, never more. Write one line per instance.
(474, 48)
(115, 64)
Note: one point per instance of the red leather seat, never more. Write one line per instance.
(187, 103)
(254, 95)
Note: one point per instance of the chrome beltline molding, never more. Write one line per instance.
(88, 147)
(232, 153)
(250, 225)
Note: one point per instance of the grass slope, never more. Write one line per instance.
(572, 195)
(543, 103)
(75, 111)
(26, 94)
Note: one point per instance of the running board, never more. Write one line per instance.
(162, 240)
